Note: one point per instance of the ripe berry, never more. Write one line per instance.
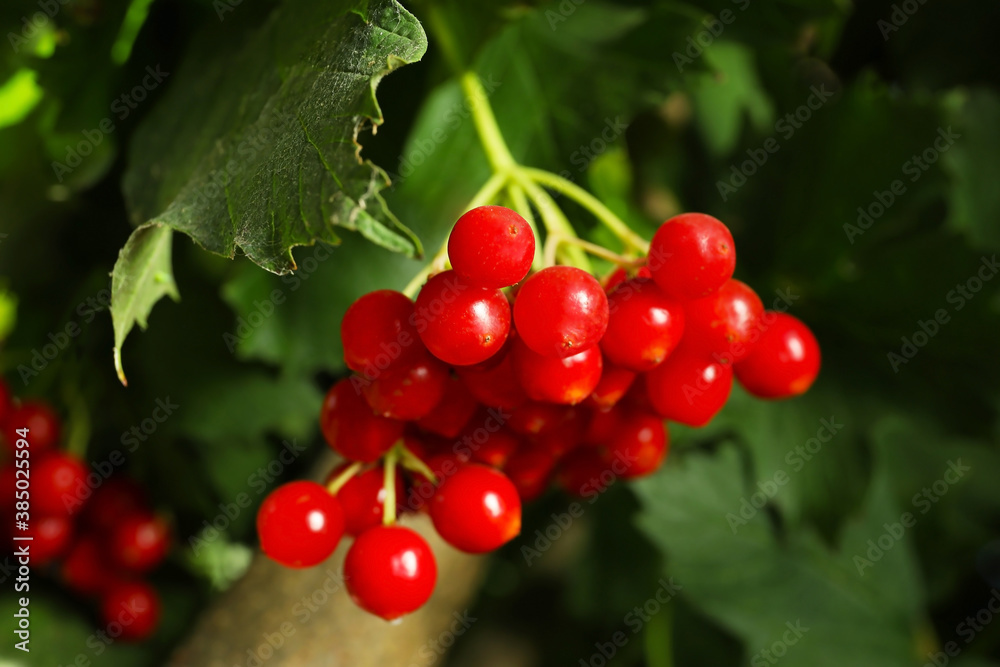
(362, 498)
(615, 382)
(563, 380)
(692, 255)
(452, 412)
(534, 418)
(459, 323)
(86, 569)
(56, 483)
(640, 445)
(477, 509)
(561, 311)
(131, 609)
(784, 362)
(498, 447)
(529, 470)
(603, 425)
(408, 390)
(584, 473)
(140, 542)
(688, 388)
(300, 524)
(352, 429)
(378, 331)
(644, 327)
(491, 246)
(112, 502)
(723, 324)
(50, 538)
(41, 422)
(494, 384)
(390, 571)
(620, 275)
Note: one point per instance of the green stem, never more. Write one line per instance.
(598, 251)
(486, 124)
(523, 207)
(554, 219)
(411, 461)
(604, 214)
(338, 482)
(389, 484)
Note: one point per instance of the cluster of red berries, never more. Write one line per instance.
(97, 536)
(484, 396)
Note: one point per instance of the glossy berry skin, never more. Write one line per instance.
(58, 484)
(114, 500)
(300, 524)
(452, 412)
(644, 327)
(497, 449)
(494, 384)
(785, 360)
(491, 246)
(534, 418)
(362, 498)
(378, 331)
(614, 383)
(132, 606)
(459, 323)
(350, 426)
(140, 542)
(639, 446)
(692, 255)
(726, 324)
(477, 509)
(561, 311)
(620, 275)
(529, 469)
(41, 422)
(562, 380)
(409, 390)
(86, 568)
(50, 535)
(689, 389)
(390, 571)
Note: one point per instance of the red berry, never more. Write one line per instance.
(689, 389)
(50, 535)
(378, 331)
(58, 484)
(491, 246)
(615, 382)
(408, 390)
(563, 380)
(602, 426)
(534, 418)
(459, 323)
(131, 610)
(529, 470)
(86, 569)
(619, 275)
(560, 440)
(362, 498)
(639, 446)
(477, 509)
(785, 360)
(645, 326)
(584, 473)
(390, 571)
(498, 447)
(692, 255)
(723, 325)
(352, 429)
(494, 385)
(140, 542)
(452, 412)
(41, 422)
(300, 524)
(561, 311)
(112, 502)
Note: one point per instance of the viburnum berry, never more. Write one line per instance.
(114, 500)
(56, 481)
(584, 473)
(529, 469)
(614, 384)
(725, 324)
(50, 538)
(563, 380)
(459, 323)
(477, 509)
(620, 275)
(536, 417)
(131, 610)
(639, 446)
(452, 412)
(409, 390)
(692, 255)
(491, 246)
(300, 524)
(352, 429)
(785, 360)
(494, 384)
(41, 422)
(644, 326)
(558, 441)
(390, 571)
(602, 425)
(379, 331)
(140, 542)
(86, 568)
(561, 311)
(688, 388)
(362, 498)
(497, 449)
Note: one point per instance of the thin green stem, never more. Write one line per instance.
(411, 461)
(486, 123)
(523, 207)
(604, 214)
(554, 220)
(337, 483)
(389, 484)
(598, 251)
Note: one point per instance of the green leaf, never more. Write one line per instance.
(254, 146)
(141, 277)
